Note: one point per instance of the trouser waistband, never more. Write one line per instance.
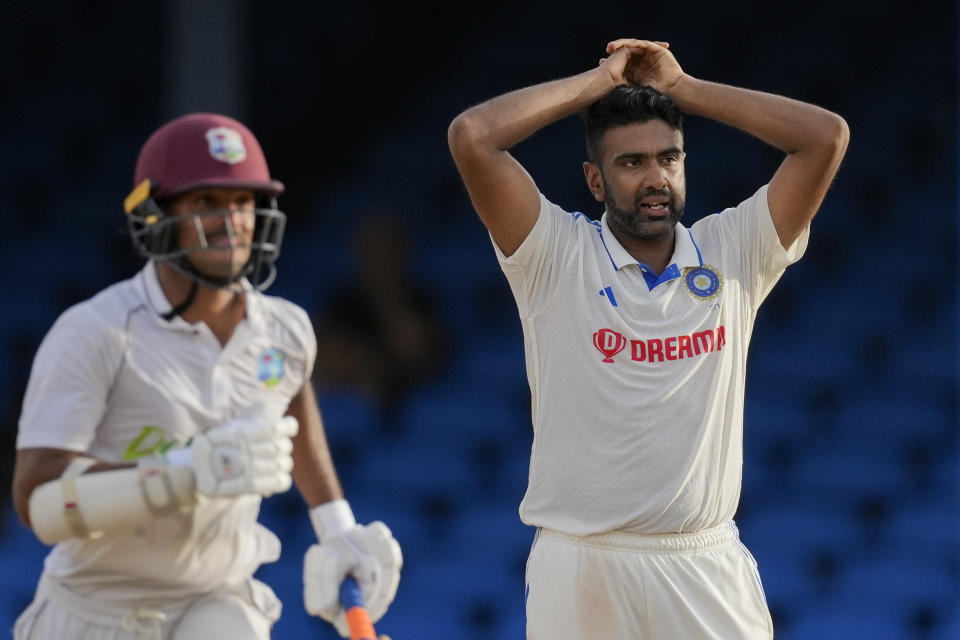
(653, 543)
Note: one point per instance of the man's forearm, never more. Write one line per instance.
(313, 470)
(787, 124)
(505, 121)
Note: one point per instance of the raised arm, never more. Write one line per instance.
(813, 138)
(502, 192)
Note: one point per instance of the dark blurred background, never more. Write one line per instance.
(850, 496)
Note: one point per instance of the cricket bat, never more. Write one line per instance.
(352, 602)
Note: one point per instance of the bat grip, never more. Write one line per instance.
(357, 618)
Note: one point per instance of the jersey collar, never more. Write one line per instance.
(157, 300)
(153, 292)
(686, 253)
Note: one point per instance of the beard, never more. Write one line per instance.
(635, 223)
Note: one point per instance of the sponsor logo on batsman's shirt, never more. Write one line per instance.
(610, 343)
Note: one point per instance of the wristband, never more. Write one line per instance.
(332, 518)
(182, 457)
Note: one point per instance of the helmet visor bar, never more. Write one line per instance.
(159, 240)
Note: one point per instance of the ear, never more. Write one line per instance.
(594, 178)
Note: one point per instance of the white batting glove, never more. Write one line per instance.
(369, 553)
(243, 455)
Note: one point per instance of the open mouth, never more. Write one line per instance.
(219, 241)
(655, 207)
(223, 241)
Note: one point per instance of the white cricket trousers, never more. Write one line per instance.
(620, 586)
(245, 612)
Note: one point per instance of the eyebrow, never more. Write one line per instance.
(212, 192)
(631, 155)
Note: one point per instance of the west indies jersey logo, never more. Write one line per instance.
(609, 343)
(226, 145)
(703, 282)
(270, 367)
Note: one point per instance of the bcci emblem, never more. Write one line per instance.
(703, 282)
(226, 145)
(270, 367)
(609, 343)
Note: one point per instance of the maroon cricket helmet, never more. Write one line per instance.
(203, 150)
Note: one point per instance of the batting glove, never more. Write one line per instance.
(369, 553)
(243, 455)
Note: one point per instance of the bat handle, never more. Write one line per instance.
(357, 618)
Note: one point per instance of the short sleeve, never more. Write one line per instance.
(308, 338)
(70, 380)
(536, 268)
(293, 326)
(747, 230)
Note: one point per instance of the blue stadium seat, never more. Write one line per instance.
(949, 628)
(838, 478)
(460, 415)
(900, 579)
(494, 532)
(495, 365)
(462, 597)
(791, 356)
(793, 540)
(348, 414)
(23, 557)
(880, 421)
(926, 528)
(846, 620)
(460, 272)
(785, 575)
(946, 477)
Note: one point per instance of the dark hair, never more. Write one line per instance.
(624, 105)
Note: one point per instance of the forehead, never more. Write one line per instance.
(649, 138)
(226, 193)
(218, 194)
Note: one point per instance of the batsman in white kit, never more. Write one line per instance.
(161, 411)
(635, 335)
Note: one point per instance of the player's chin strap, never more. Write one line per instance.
(186, 302)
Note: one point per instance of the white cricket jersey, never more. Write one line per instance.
(115, 380)
(637, 392)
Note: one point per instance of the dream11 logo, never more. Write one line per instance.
(699, 343)
(609, 343)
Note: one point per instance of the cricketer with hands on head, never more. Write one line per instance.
(159, 413)
(635, 335)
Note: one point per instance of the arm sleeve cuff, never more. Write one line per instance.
(332, 518)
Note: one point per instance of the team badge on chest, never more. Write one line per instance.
(703, 282)
(270, 367)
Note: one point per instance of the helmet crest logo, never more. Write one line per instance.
(226, 145)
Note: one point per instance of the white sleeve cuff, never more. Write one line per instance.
(182, 457)
(332, 518)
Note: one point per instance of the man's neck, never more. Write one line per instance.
(655, 254)
(220, 309)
